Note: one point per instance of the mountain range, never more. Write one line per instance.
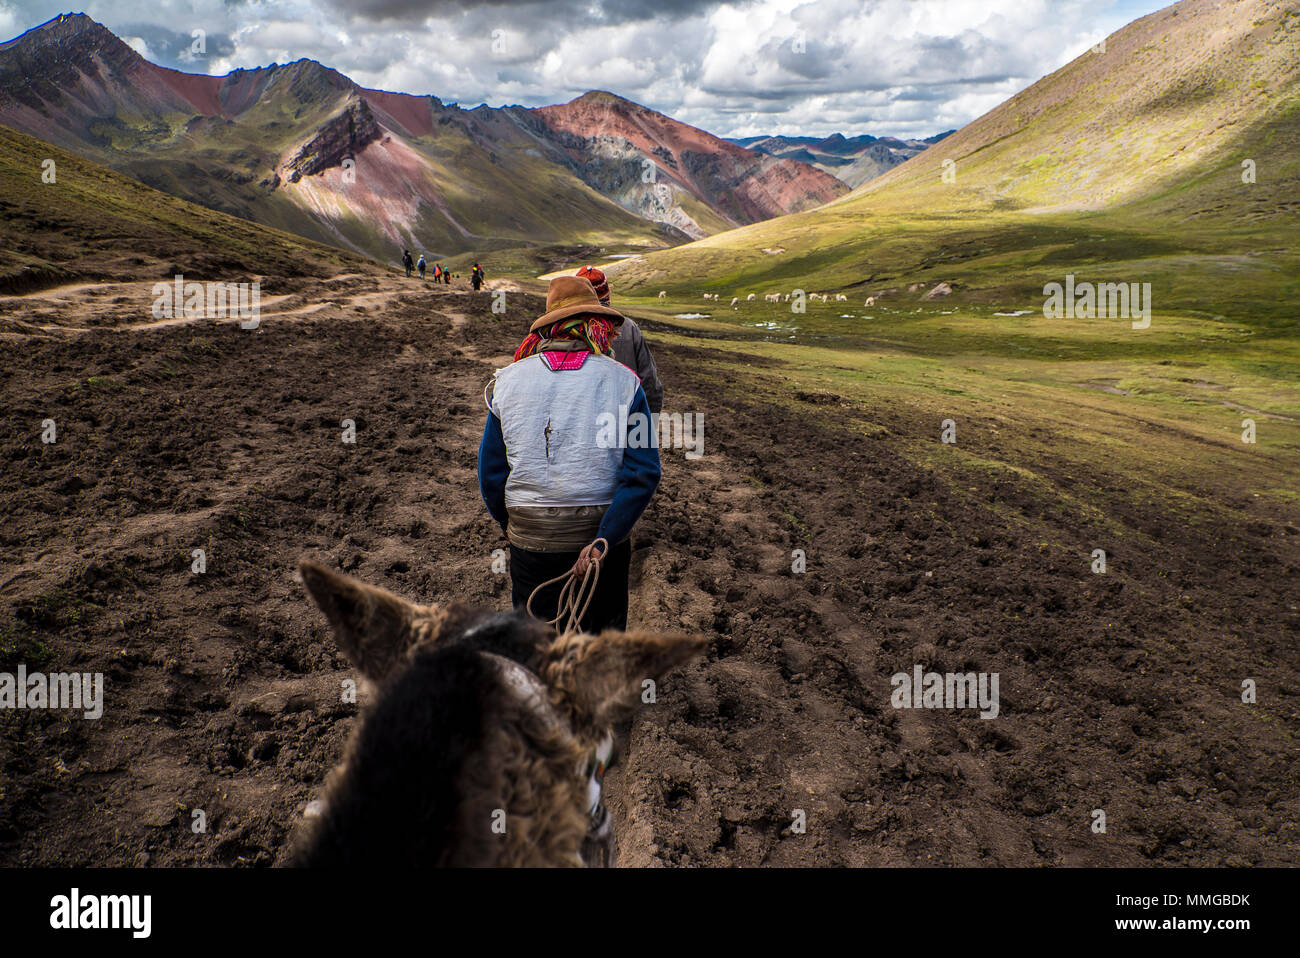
(854, 160)
(303, 148)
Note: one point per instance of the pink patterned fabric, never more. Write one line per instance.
(558, 360)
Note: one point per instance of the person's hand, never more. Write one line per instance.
(590, 552)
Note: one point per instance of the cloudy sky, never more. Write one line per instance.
(736, 68)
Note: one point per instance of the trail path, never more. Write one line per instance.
(1117, 692)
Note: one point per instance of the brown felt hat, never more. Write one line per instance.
(570, 295)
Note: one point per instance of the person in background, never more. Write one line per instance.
(406, 261)
(420, 266)
(629, 347)
(476, 277)
(552, 478)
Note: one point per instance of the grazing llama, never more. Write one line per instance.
(478, 747)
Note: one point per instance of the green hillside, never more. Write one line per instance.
(92, 223)
(1124, 165)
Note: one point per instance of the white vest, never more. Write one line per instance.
(550, 422)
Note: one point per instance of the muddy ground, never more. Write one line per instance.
(1118, 692)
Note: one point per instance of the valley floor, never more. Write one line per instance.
(1119, 692)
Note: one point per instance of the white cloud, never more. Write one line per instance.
(139, 46)
(901, 67)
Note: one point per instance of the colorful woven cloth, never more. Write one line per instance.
(595, 331)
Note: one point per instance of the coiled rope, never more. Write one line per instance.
(575, 596)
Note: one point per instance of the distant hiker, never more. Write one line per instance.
(406, 260)
(437, 273)
(446, 276)
(476, 277)
(565, 460)
(630, 348)
(420, 266)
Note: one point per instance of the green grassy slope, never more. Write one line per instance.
(93, 223)
(1124, 165)
(1188, 88)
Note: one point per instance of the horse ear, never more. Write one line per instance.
(373, 626)
(602, 676)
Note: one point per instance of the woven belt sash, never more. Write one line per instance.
(554, 528)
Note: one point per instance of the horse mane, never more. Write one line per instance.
(397, 802)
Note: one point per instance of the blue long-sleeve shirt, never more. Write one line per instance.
(493, 468)
(637, 479)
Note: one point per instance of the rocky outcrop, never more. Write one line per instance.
(341, 138)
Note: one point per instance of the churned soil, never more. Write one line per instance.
(1118, 692)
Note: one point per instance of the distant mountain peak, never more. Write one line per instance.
(69, 23)
(307, 68)
(851, 159)
(599, 96)
(66, 26)
(596, 99)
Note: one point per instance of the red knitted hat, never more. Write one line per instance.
(598, 282)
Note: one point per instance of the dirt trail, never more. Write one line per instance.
(1118, 692)
(82, 307)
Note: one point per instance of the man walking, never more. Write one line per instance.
(629, 346)
(564, 490)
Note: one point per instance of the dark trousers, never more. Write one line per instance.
(608, 609)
